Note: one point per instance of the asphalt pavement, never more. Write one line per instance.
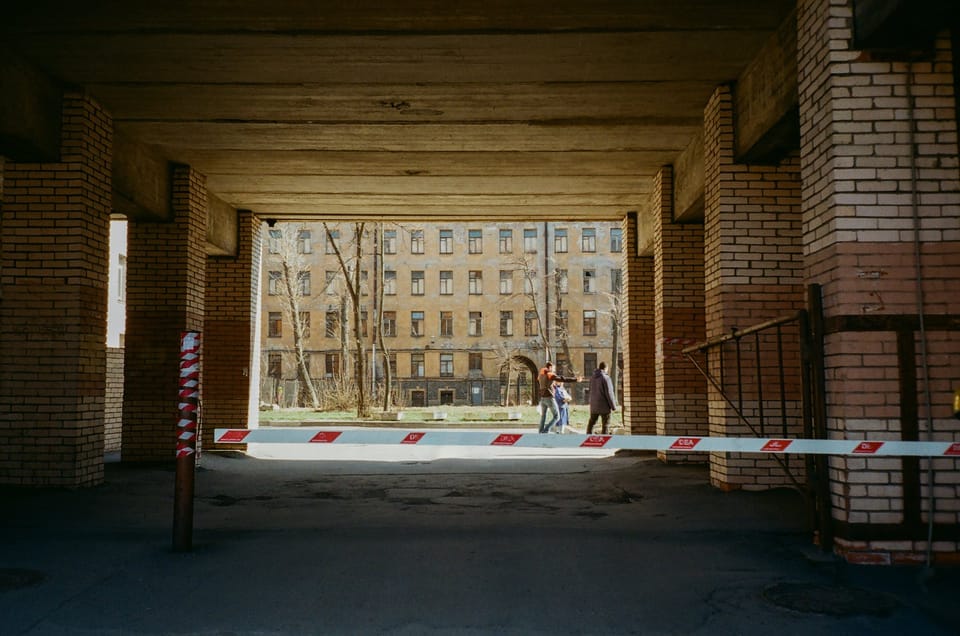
(524, 544)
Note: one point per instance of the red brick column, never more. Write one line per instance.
(53, 281)
(639, 388)
(753, 274)
(166, 273)
(230, 329)
(678, 319)
(879, 143)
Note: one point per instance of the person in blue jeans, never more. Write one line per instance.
(563, 398)
(545, 381)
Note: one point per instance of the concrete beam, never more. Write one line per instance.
(766, 100)
(222, 227)
(688, 182)
(30, 112)
(141, 181)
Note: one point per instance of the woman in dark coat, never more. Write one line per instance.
(603, 400)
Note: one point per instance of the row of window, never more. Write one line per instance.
(531, 324)
(417, 363)
(531, 239)
(474, 282)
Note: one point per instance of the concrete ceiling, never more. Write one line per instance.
(428, 109)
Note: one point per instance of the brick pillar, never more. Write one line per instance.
(54, 260)
(678, 320)
(753, 274)
(230, 330)
(879, 155)
(639, 389)
(166, 273)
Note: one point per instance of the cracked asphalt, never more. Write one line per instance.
(524, 545)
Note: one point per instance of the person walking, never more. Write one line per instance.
(563, 398)
(603, 400)
(545, 382)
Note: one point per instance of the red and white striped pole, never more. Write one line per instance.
(188, 406)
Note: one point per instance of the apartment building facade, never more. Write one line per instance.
(469, 312)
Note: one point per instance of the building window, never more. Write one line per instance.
(616, 239)
(563, 364)
(616, 281)
(475, 326)
(273, 283)
(305, 324)
(588, 240)
(416, 241)
(416, 283)
(418, 397)
(446, 396)
(560, 240)
(529, 281)
(563, 321)
(331, 365)
(446, 241)
(305, 242)
(506, 323)
(506, 282)
(275, 365)
(274, 324)
(389, 283)
(364, 282)
(589, 363)
(331, 324)
(530, 240)
(589, 281)
(390, 324)
(364, 324)
(475, 241)
(476, 281)
(417, 369)
(506, 241)
(446, 282)
(589, 322)
(332, 237)
(392, 361)
(446, 323)
(389, 241)
(273, 243)
(329, 278)
(530, 323)
(446, 365)
(303, 283)
(563, 281)
(476, 361)
(416, 323)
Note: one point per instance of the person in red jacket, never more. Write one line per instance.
(545, 381)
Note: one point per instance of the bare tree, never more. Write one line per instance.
(290, 280)
(378, 320)
(352, 276)
(506, 355)
(531, 291)
(617, 316)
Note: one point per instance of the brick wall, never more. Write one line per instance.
(53, 281)
(113, 408)
(864, 190)
(639, 387)
(753, 274)
(233, 288)
(166, 274)
(678, 319)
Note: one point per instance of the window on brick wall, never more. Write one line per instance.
(389, 241)
(616, 281)
(475, 241)
(416, 283)
(530, 323)
(275, 365)
(589, 281)
(506, 323)
(273, 283)
(530, 240)
(588, 240)
(331, 365)
(275, 238)
(274, 324)
(616, 239)
(331, 324)
(389, 283)
(560, 240)
(416, 241)
(417, 368)
(475, 324)
(446, 323)
(416, 323)
(303, 282)
(506, 241)
(475, 282)
(446, 241)
(506, 282)
(589, 322)
(389, 326)
(330, 282)
(446, 282)
(446, 365)
(589, 362)
(476, 361)
(305, 242)
(529, 281)
(392, 361)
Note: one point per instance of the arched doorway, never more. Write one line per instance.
(518, 381)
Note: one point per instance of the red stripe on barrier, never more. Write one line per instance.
(595, 441)
(412, 438)
(953, 450)
(506, 439)
(234, 436)
(867, 448)
(685, 443)
(776, 445)
(325, 437)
